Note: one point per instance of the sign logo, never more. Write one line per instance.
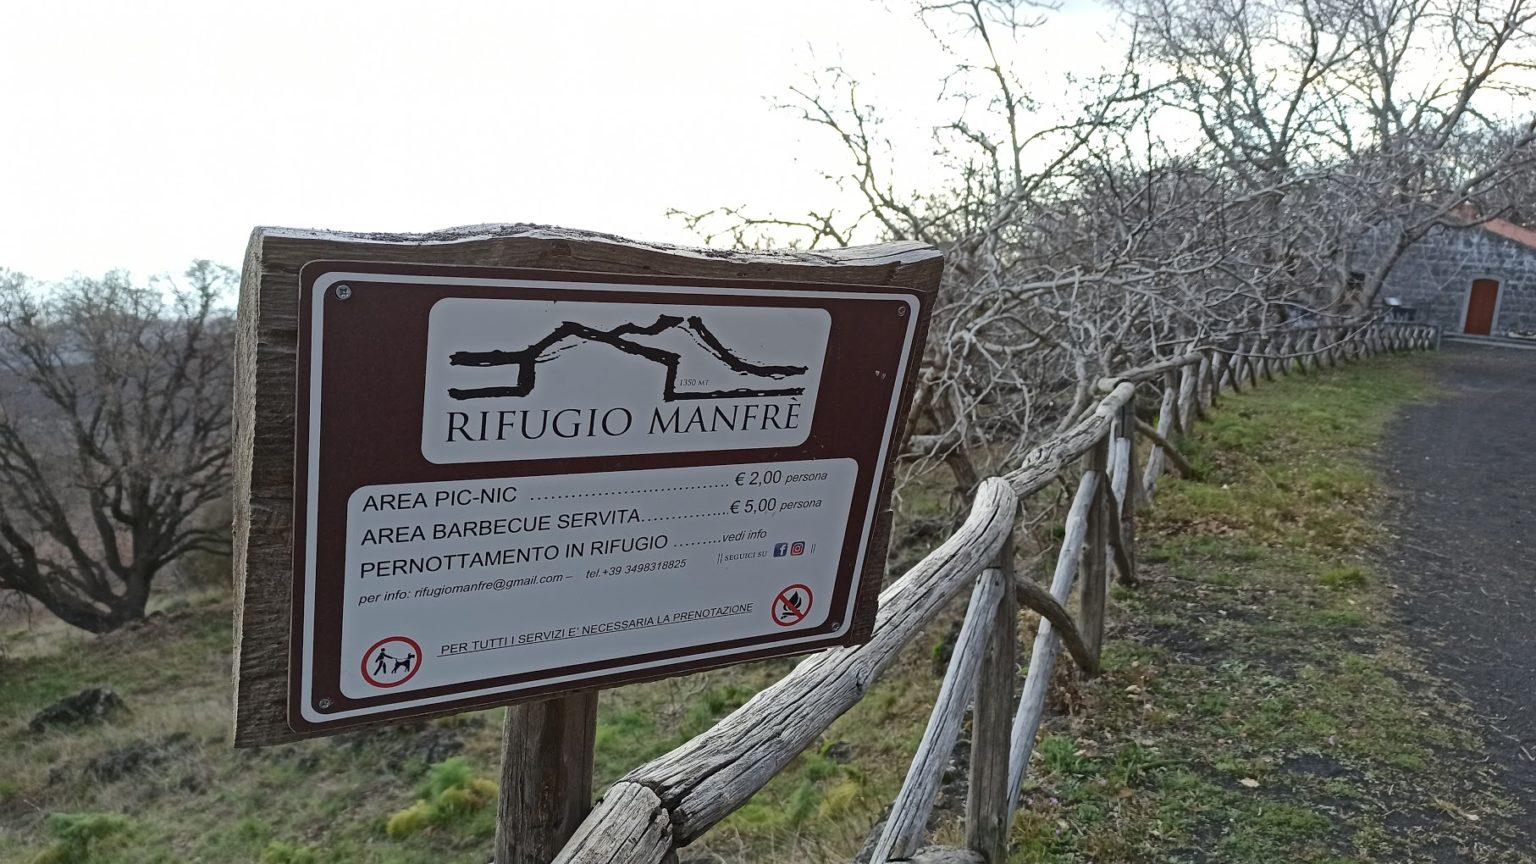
(780, 550)
(629, 338)
(391, 662)
(512, 379)
(797, 547)
(791, 605)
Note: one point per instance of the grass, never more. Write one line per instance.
(1257, 706)
(163, 784)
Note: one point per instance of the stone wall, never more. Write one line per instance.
(1435, 275)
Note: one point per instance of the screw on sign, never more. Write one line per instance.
(391, 662)
(791, 605)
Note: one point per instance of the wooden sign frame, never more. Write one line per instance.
(265, 415)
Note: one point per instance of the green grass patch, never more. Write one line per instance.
(1252, 709)
(1255, 706)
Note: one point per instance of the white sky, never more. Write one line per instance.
(142, 135)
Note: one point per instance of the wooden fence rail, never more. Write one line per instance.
(671, 801)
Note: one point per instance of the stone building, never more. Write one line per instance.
(1476, 279)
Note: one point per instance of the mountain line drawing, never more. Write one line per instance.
(621, 337)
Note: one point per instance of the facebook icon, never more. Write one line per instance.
(780, 550)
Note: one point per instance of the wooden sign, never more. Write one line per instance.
(504, 463)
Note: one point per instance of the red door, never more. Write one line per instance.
(1480, 306)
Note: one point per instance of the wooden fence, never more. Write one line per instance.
(671, 801)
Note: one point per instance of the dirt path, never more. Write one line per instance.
(1464, 466)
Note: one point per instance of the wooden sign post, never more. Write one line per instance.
(546, 776)
(508, 464)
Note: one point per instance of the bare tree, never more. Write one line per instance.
(1212, 183)
(114, 437)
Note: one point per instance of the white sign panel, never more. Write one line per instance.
(455, 582)
(548, 379)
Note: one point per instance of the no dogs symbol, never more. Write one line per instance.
(791, 605)
(391, 662)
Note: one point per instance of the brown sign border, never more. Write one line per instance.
(864, 504)
(266, 353)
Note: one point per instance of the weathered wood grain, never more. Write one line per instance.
(946, 855)
(628, 825)
(264, 417)
(1042, 465)
(1165, 426)
(715, 773)
(908, 820)
(1123, 553)
(1042, 658)
(988, 816)
(1202, 388)
(1218, 376)
(546, 776)
(1037, 599)
(1093, 596)
(1188, 378)
(1149, 372)
(1165, 449)
(1235, 360)
(712, 775)
(1122, 461)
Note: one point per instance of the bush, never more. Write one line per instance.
(451, 796)
(78, 836)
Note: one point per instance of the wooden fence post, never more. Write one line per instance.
(1189, 397)
(546, 776)
(1093, 572)
(1167, 421)
(1126, 490)
(908, 820)
(988, 812)
(1204, 389)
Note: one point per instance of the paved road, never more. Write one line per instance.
(1465, 467)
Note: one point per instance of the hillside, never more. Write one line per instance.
(1262, 702)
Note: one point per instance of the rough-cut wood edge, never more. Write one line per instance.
(265, 355)
(710, 776)
(908, 820)
(628, 825)
(897, 252)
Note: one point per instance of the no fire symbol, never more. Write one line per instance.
(391, 662)
(791, 605)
